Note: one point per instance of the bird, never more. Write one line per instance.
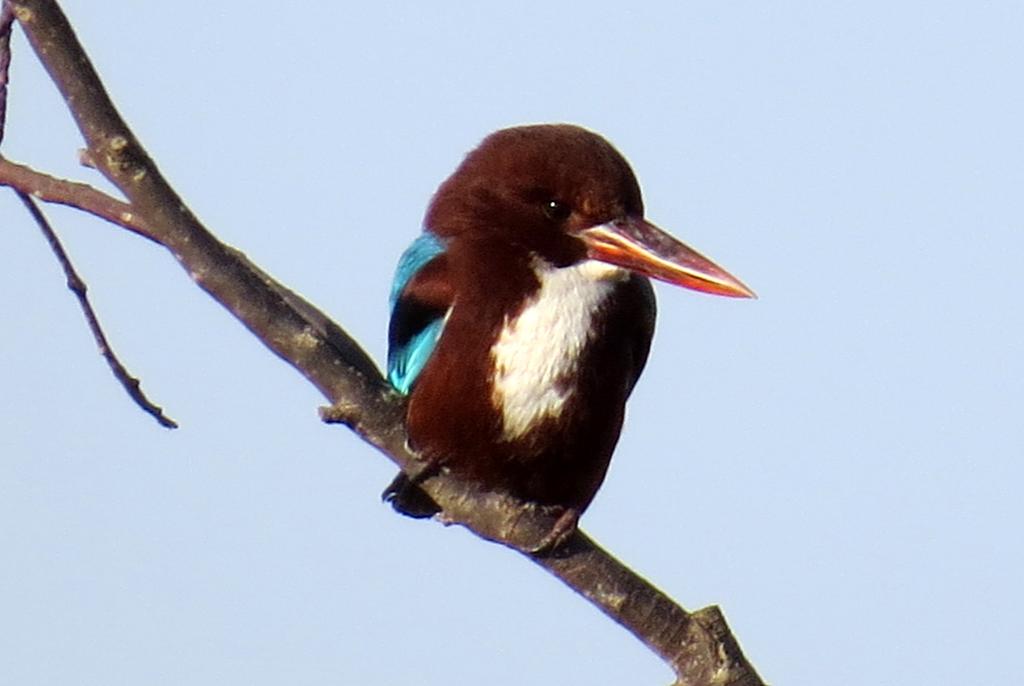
(522, 317)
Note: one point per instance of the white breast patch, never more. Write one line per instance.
(539, 349)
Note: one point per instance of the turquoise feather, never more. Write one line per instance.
(406, 361)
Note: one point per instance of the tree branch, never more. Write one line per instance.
(78, 287)
(73, 194)
(6, 22)
(698, 646)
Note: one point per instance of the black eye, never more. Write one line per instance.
(557, 211)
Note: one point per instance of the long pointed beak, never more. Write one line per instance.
(642, 247)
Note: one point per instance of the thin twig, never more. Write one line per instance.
(78, 287)
(6, 22)
(81, 196)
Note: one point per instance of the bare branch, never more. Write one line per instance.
(27, 183)
(6, 22)
(71, 193)
(78, 287)
(698, 646)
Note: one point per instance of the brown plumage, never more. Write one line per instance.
(548, 316)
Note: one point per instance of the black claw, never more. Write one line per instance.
(409, 499)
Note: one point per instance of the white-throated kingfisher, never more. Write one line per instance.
(522, 316)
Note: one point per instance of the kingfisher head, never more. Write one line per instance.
(562, 194)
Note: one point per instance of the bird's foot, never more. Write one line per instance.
(405, 495)
(562, 530)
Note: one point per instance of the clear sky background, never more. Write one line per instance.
(838, 464)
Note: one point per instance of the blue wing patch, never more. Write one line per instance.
(407, 361)
(413, 332)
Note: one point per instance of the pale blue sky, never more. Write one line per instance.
(837, 464)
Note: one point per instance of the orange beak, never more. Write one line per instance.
(642, 247)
